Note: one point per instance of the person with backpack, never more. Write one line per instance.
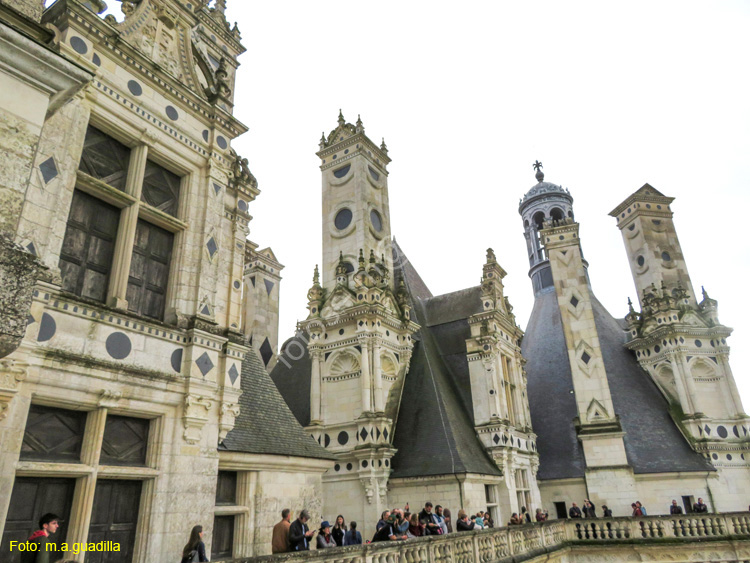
(195, 550)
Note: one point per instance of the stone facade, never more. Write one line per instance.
(262, 289)
(120, 180)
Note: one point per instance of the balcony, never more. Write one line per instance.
(676, 538)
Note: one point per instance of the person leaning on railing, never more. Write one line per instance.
(463, 524)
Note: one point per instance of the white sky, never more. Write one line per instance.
(468, 94)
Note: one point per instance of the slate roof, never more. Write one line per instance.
(653, 443)
(265, 424)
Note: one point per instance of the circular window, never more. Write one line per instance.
(698, 343)
(641, 260)
(377, 221)
(343, 437)
(666, 257)
(343, 219)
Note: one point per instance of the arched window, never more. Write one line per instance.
(556, 214)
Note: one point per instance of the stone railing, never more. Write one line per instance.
(518, 543)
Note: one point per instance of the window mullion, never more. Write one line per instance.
(118, 285)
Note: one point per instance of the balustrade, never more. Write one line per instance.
(499, 544)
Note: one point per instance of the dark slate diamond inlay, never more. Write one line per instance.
(30, 320)
(217, 188)
(385, 435)
(48, 169)
(212, 248)
(585, 357)
(266, 352)
(31, 248)
(118, 345)
(574, 301)
(233, 374)
(269, 286)
(363, 434)
(204, 364)
(47, 328)
(205, 310)
(496, 439)
(96, 60)
(252, 280)
(177, 360)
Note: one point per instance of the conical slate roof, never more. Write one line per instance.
(653, 443)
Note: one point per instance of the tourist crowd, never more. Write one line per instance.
(402, 524)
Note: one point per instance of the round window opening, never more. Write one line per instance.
(641, 260)
(377, 221)
(666, 257)
(343, 219)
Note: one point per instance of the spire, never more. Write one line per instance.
(360, 125)
(383, 147)
(630, 306)
(361, 260)
(316, 276)
(539, 174)
(342, 121)
(322, 143)
(491, 256)
(703, 291)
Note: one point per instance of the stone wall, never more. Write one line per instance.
(32, 9)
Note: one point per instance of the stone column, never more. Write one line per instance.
(83, 496)
(732, 391)
(246, 520)
(315, 397)
(689, 383)
(685, 402)
(378, 376)
(365, 367)
(500, 390)
(118, 285)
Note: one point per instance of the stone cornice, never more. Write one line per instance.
(104, 35)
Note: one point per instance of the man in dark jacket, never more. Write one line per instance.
(575, 512)
(675, 508)
(699, 506)
(427, 518)
(589, 510)
(299, 533)
(48, 525)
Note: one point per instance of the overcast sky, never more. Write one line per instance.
(468, 94)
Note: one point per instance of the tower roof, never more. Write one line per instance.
(646, 193)
(542, 188)
(653, 442)
(346, 134)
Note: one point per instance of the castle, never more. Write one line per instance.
(142, 386)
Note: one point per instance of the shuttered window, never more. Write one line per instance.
(88, 246)
(104, 158)
(149, 270)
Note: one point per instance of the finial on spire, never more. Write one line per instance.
(342, 121)
(360, 125)
(372, 256)
(704, 292)
(316, 276)
(491, 256)
(630, 306)
(361, 260)
(383, 147)
(220, 6)
(322, 142)
(539, 174)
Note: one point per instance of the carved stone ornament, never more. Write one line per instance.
(229, 412)
(195, 417)
(12, 372)
(368, 484)
(109, 398)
